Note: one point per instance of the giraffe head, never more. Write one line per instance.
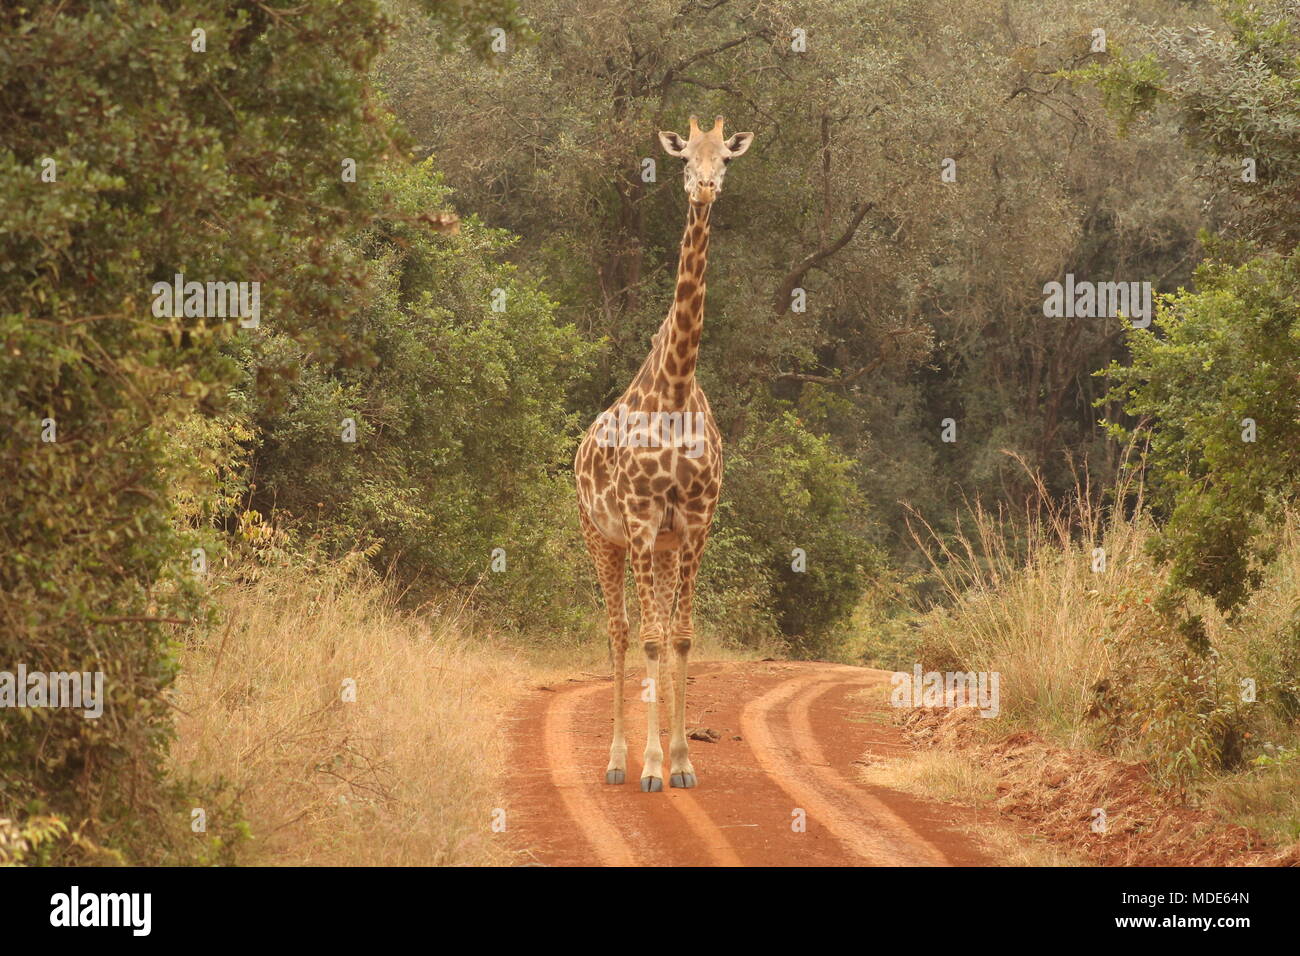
(706, 156)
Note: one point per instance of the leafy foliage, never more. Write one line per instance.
(1234, 93)
(1228, 353)
(820, 513)
(1217, 392)
(221, 164)
(134, 439)
(461, 431)
(924, 297)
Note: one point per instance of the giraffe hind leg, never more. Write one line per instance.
(642, 531)
(610, 561)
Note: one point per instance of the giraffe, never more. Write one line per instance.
(649, 473)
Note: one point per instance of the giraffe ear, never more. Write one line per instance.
(739, 143)
(673, 144)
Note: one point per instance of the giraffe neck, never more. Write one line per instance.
(679, 336)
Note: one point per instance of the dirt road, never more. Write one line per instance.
(788, 738)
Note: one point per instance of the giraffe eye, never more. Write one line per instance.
(726, 160)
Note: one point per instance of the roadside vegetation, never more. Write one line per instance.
(1156, 617)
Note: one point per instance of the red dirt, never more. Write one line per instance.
(1053, 792)
(788, 738)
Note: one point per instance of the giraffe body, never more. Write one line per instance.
(649, 474)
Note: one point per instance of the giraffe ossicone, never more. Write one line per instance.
(648, 490)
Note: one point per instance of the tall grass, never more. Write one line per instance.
(1064, 601)
(406, 774)
(1022, 596)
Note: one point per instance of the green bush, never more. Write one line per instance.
(221, 165)
(1214, 386)
(787, 488)
(462, 435)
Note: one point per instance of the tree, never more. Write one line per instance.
(144, 141)
(459, 432)
(923, 296)
(1216, 393)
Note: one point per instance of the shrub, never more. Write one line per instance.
(1216, 395)
(220, 165)
(462, 438)
(786, 487)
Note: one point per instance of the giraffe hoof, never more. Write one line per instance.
(614, 776)
(683, 780)
(652, 784)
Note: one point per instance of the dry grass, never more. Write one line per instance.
(951, 776)
(409, 773)
(1086, 661)
(1026, 600)
(405, 775)
(587, 651)
(1014, 849)
(1267, 799)
(948, 776)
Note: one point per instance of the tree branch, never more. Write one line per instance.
(831, 379)
(781, 300)
(686, 61)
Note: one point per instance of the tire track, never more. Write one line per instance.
(857, 839)
(906, 847)
(777, 722)
(567, 772)
(713, 838)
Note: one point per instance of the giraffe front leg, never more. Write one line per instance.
(652, 644)
(682, 771)
(652, 771)
(667, 571)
